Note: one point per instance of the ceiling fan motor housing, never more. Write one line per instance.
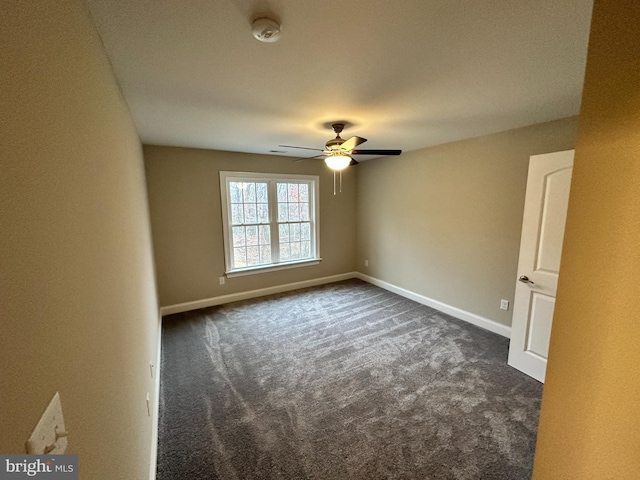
(334, 143)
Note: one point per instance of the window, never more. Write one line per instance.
(270, 221)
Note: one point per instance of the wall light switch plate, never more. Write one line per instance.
(50, 435)
(504, 304)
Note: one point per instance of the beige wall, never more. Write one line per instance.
(590, 419)
(186, 218)
(78, 311)
(445, 222)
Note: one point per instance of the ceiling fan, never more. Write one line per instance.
(338, 152)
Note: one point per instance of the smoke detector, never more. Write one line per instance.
(266, 29)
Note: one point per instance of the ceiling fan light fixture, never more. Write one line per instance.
(338, 162)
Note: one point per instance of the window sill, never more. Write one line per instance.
(272, 268)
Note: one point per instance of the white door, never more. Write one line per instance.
(545, 213)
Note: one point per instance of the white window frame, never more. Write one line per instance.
(272, 179)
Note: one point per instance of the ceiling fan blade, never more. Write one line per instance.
(352, 143)
(352, 163)
(304, 148)
(376, 152)
(306, 158)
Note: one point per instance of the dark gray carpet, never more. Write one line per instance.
(343, 381)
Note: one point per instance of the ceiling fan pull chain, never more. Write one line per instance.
(334, 182)
(340, 181)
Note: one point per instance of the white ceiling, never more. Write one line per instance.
(404, 73)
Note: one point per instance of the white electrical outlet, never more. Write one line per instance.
(221, 280)
(504, 304)
(366, 263)
(49, 436)
(151, 368)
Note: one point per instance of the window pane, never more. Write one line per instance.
(304, 211)
(252, 235)
(284, 252)
(265, 254)
(239, 257)
(292, 194)
(238, 237)
(295, 250)
(294, 212)
(263, 213)
(237, 215)
(305, 231)
(243, 188)
(261, 193)
(306, 250)
(235, 192)
(282, 192)
(304, 192)
(253, 256)
(250, 192)
(265, 235)
(250, 213)
(295, 232)
(283, 233)
(283, 212)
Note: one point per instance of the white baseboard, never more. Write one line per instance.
(234, 297)
(156, 406)
(460, 314)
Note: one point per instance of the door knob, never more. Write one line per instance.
(525, 279)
